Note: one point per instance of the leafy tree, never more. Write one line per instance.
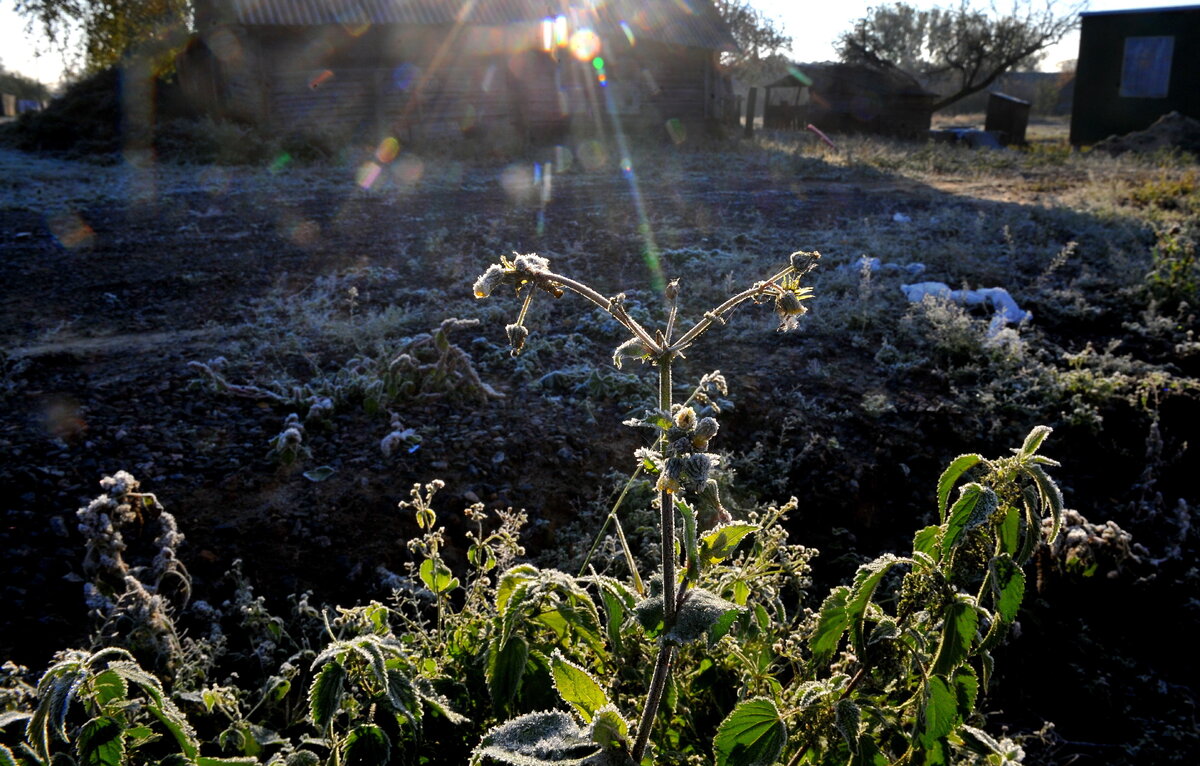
(759, 37)
(109, 28)
(969, 46)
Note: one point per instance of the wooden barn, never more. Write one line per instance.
(1134, 67)
(437, 69)
(849, 98)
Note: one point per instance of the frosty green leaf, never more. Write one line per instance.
(325, 694)
(832, 622)
(1035, 439)
(1008, 585)
(366, 745)
(101, 743)
(577, 687)
(950, 476)
(753, 735)
(958, 633)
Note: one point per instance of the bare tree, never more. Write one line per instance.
(971, 47)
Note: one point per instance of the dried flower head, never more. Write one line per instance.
(516, 337)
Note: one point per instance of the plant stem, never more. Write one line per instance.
(753, 291)
(606, 304)
(667, 507)
(662, 667)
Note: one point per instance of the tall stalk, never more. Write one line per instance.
(530, 274)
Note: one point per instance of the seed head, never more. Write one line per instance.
(803, 262)
(685, 418)
(516, 337)
(489, 280)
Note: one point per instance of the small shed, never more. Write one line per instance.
(855, 98)
(1135, 66)
(436, 69)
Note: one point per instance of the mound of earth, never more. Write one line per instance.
(1171, 131)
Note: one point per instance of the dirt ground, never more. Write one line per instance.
(115, 277)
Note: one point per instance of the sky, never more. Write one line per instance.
(814, 26)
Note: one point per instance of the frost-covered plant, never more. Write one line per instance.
(677, 611)
(133, 600)
(287, 446)
(905, 688)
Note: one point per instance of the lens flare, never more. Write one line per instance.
(367, 174)
(676, 130)
(407, 172)
(387, 150)
(560, 32)
(547, 35)
(518, 181)
(71, 231)
(320, 79)
(628, 30)
(592, 155)
(585, 45)
(803, 78)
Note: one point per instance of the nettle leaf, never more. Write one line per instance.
(320, 473)
(303, 758)
(437, 576)
(831, 624)
(928, 541)
(506, 668)
(438, 702)
(966, 689)
(1035, 439)
(848, 719)
(1009, 530)
(56, 690)
(720, 542)
(548, 738)
(649, 613)
(866, 580)
(109, 686)
(402, 696)
(610, 730)
(958, 633)
(366, 745)
(1051, 497)
(101, 743)
(508, 584)
(979, 741)
(868, 753)
(703, 615)
(6, 756)
(1031, 528)
(753, 735)
(974, 505)
(1008, 585)
(941, 711)
(619, 600)
(577, 687)
(325, 694)
(950, 476)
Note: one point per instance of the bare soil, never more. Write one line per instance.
(114, 277)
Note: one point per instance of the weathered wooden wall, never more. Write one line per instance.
(434, 83)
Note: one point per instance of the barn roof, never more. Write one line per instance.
(685, 22)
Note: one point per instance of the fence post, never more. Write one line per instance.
(751, 108)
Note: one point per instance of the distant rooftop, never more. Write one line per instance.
(1164, 9)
